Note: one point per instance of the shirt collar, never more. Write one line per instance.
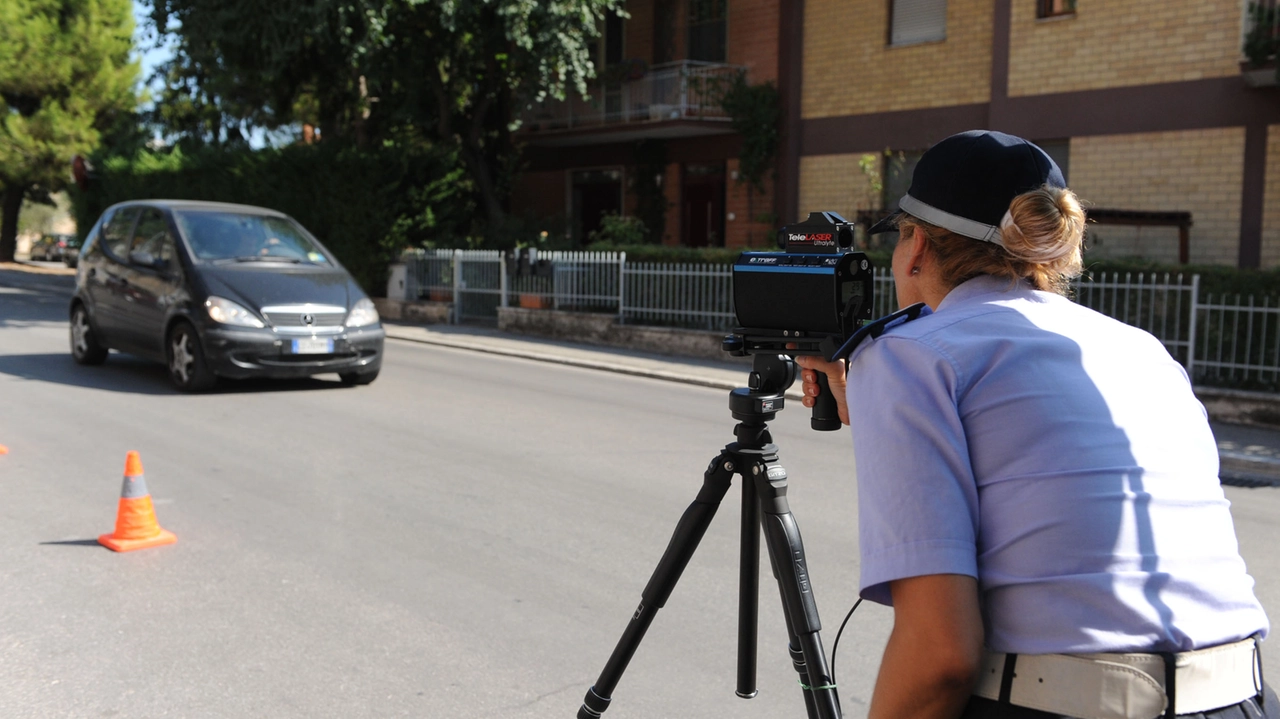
(982, 285)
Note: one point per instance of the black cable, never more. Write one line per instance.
(836, 644)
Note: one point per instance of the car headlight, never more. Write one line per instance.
(229, 313)
(363, 314)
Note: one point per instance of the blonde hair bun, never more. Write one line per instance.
(1045, 227)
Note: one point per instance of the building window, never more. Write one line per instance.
(1055, 8)
(606, 48)
(898, 168)
(707, 21)
(592, 195)
(917, 21)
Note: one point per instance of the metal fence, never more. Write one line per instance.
(696, 296)
(1221, 341)
(1238, 343)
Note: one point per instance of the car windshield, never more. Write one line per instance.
(218, 236)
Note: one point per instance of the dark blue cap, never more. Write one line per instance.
(966, 182)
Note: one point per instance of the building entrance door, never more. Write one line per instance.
(595, 193)
(702, 211)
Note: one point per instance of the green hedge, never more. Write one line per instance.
(363, 205)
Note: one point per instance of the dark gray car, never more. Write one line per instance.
(218, 290)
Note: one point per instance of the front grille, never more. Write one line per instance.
(296, 316)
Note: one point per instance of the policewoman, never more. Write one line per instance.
(1038, 485)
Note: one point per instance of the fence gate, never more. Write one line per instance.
(478, 278)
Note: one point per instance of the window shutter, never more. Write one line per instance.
(916, 21)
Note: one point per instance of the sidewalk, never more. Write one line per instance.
(727, 374)
(1250, 456)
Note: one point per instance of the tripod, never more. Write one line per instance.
(764, 504)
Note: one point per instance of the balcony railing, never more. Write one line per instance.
(686, 90)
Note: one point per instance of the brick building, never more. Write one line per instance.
(1148, 111)
(652, 127)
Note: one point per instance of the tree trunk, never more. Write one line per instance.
(473, 158)
(10, 206)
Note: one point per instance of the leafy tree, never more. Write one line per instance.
(65, 77)
(243, 63)
(463, 71)
(456, 74)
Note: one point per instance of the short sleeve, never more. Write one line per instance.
(917, 498)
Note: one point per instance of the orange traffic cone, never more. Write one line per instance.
(136, 526)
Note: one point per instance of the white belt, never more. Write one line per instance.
(1122, 686)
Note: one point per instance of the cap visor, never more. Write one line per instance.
(888, 224)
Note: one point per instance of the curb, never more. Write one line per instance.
(1241, 469)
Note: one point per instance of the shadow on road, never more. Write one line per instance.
(77, 543)
(126, 373)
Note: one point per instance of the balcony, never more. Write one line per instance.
(679, 99)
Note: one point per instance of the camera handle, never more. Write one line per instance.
(826, 413)
(764, 505)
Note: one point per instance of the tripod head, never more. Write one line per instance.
(765, 393)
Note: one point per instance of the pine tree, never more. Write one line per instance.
(65, 77)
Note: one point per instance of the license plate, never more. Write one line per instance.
(313, 346)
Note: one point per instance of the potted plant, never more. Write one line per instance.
(1261, 43)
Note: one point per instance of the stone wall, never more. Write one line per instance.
(836, 182)
(601, 329)
(1119, 43)
(427, 313)
(1271, 201)
(850, 69)
(1196, 171)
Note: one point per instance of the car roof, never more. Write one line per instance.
(203, 205)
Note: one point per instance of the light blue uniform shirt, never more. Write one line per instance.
(1058, 456)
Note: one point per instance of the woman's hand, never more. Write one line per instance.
(835, 372)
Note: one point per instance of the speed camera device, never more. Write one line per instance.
(809, 298)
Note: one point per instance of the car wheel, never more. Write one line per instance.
(358, 378)
(187, 367)
(84, 344)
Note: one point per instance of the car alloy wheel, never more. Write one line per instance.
(84, 344)
(187, 367)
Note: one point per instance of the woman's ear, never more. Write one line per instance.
(917, 250)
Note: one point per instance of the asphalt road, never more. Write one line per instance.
(466, 537)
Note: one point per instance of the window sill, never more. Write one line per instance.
(1056, 18)
(915, 43)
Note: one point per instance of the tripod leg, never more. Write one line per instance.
(688, 533)
(786, 556)
(748, 591)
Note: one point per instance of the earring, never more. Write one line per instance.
(915, 270)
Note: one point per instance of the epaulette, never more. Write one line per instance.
(879, 327)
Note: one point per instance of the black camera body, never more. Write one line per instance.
(814, 295)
